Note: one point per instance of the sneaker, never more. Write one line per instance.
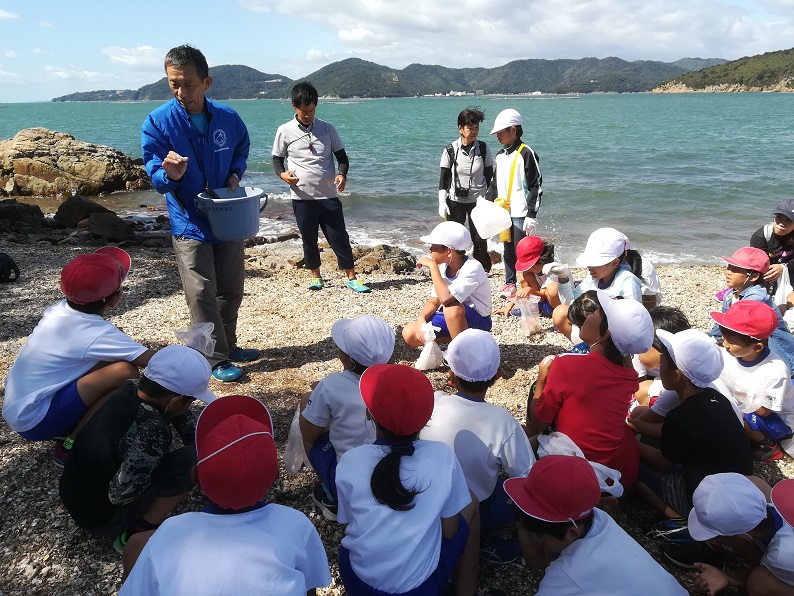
(355, 285)
(317, 283)
(499, 550)
(243, 355)
(120, 542)
(61, 451)
(671, 531)
(324, 502)
(766, 452)
(686, 555)
(508, 291)
(226, 372)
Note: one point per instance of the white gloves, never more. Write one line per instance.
(561, 271)
(530, 223)
(443, 209)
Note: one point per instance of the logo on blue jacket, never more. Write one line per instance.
(219, 137)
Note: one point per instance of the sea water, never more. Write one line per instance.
(688, 178)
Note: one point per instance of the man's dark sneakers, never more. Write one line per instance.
(324, 502)
(685, 555)
(226, 372)
(244, 355)
(499, 550)
(670, 531)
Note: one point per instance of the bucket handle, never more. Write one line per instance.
(262, 202)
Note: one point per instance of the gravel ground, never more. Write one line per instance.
(43, 552)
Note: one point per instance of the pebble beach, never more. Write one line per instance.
(43, 552)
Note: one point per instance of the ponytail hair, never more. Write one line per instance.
(387, 488)
(634, 260)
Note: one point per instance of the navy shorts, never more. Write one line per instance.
(451, 550)
(65, 411)
(771, 425)
(474, 320)
(322, 457)
(496, 512)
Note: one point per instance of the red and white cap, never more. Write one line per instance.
(399, 397)
(237, 457)
(528, 251)
(93, 277)
(748, 317)
(558, 488)
(783, 499)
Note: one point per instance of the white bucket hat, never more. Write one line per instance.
(473, 355)
(506, 119)
(603, 245)
(450, 234)
(366, 339)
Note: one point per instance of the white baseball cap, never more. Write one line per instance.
(603, 245)
(366, 339)
(725, 505)
(450, 234)
(629, 324)
(182, 370)
(506, 119)
(473, 355)
(695, 354)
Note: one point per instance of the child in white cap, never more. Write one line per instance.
(731, 516)
(332, 415)
(487, 439)
(587, 396)
(700, 437)
(461, 294)
(122, 476)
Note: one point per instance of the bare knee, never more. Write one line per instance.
(762, 582)
(411, 333)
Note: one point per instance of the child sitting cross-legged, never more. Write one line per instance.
(758, 378)
(238, 544)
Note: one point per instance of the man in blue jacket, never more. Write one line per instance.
(189, 144)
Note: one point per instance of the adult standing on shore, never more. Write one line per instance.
(311, 144)
(190, 144)
(466, 174)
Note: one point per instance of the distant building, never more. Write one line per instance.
(479, 92)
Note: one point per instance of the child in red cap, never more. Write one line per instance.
(581, 548)
(239, 544)
(74, 357)
(405, 502)
(758, 378)
(744, 275)
(532, 256)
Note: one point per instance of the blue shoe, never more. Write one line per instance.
(499, 551)
(357, 286)
(317, 283)
(226, 372)
(243, 355)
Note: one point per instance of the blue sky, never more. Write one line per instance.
(50, 48)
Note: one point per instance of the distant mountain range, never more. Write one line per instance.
(358, 78)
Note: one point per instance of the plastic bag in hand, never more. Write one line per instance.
(431, 356)
(198, 336)
(557, 443)
(294, 453)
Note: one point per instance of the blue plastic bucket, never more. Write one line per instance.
(233, 216)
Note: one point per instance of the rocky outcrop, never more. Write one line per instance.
(40, 162)
(786, 85)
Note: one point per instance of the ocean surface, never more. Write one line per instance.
(688, 178)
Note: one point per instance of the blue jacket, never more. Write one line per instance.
(221, 150)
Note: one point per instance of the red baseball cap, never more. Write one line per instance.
(93, 277)
(558, 488)
(783, 499)
(237, 457)
(528, 251)
(399, 397)
(752, 259)
(748, 317)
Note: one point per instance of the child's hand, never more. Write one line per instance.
(710, 579)
(523, 292)
(425, 262)
(505, 310)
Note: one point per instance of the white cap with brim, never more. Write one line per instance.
(725, 505)
(473, 355)
(366, 339)
(603, 246)
(629, 324)
(182, 370)
(695, 354)
(450, 234)
(506, 119)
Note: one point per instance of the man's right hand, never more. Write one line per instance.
(289, 177)
(175, 165)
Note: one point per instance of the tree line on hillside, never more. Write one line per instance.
(765, 70)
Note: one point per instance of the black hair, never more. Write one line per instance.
(519, 131)
(475, 386)
(740, 338)
(554, 529)
(358, 368)
(153, 389)
(471, 115)
(669, 318)
(387, 488)
(634, 260)
(547, 256)
(181, 56)
(666, 353)
(304, 94)
(585, 304)
(92, 308)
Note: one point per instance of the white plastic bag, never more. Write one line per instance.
(490, 219)
(431, 356)
(198, 336)
(557, 443)
(530, 314)
(294, 453)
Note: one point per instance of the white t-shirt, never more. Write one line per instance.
(270, 550)
(63, 347)
(470, 286)
(779, 555)
(667, 400)
(606, 561)
(395, 551)
(763, 383)
(651, 286)
(641, 370)
(624, 284)
(485, 438)
(310, 151)
(336, 401)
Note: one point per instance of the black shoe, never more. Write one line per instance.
(685, 555)
(670, 531)
(323, 501)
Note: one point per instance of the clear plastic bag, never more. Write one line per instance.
(530, 314)
(294, 453)
(431, 356)
(557, 443)
(198, 336)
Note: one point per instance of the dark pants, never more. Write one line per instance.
(325, 214)
(516, 234)
(458, 212)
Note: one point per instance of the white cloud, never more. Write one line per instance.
(46, 25)
(7, 16)
(40, 51)
(142, 58)
(76, 74)
(316, 56)
(4, 74)
(10, 54)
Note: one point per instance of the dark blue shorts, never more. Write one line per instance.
(545, 308)
(65, 411)
(496, 512)
(771, 425)
(322, 457)
(433, 586)
(474, 320)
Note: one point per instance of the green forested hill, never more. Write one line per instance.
(770, 70)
